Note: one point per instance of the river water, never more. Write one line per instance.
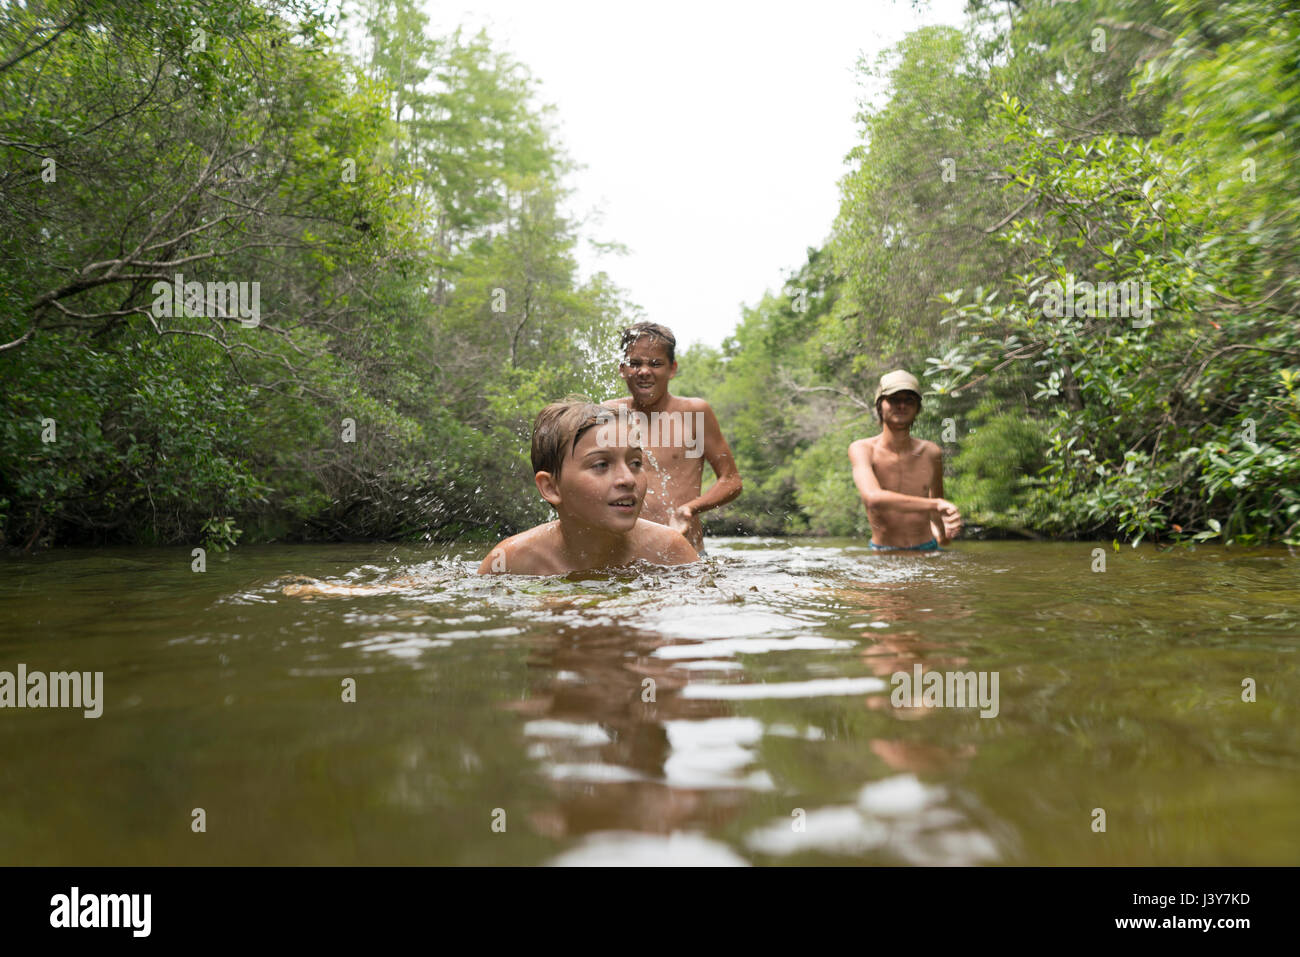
(741, 710)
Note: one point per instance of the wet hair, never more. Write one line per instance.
(652, 331)
(558, 427)
(876, 410)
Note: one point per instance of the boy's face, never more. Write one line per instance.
(602, 482)
(900, 409)
(646, 369)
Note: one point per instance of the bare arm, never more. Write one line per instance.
(718, 454)
(944, 526)
(873, 496)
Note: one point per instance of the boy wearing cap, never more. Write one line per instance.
(900, 478)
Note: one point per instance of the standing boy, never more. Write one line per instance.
(900, 478)
(680, 433)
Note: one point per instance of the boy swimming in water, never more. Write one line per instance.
(900, 478)
(681, 433)
(595, 479)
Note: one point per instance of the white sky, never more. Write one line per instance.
(713, 132)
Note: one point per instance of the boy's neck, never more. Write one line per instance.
(660, 406)
(590, 546)
(897, 440)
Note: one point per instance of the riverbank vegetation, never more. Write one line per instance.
(268, 275)
(1147, 145)
(398, 208)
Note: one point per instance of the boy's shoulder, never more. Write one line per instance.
(661, 544)
(536, 551)
(676, 403)
(691, 403)
(924, 447)
(653, 533)
(863, 446)
(528, 553)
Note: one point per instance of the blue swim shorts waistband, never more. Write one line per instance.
(931, 546)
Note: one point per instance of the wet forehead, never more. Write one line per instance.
(648, 348)
(605, 438)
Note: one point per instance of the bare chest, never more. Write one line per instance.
(907, 473)
(675, 441)
(673, 463)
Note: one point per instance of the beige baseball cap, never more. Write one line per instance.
(897, 381)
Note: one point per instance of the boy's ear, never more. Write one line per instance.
(548, 487)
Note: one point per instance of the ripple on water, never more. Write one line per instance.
(715, 753)
(815, 688)
(730, 647)
(633, 849)
(722, 622)
(580, 733)
(898, 815)
(397, 644)
(595, 772)
(1134, 675)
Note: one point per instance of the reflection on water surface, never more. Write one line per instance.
(733, 712)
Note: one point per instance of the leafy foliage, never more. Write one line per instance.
(1188, 422)
(401, 208)
(1104, 141)
(400, 213)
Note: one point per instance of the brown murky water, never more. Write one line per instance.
(737, 711)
